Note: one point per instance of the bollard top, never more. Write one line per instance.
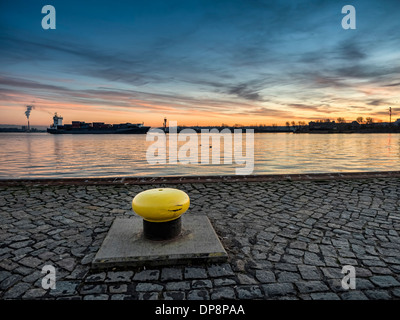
(161, 204)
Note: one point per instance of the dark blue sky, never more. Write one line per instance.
(199, 61)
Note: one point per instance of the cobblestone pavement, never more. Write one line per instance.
(285, 240)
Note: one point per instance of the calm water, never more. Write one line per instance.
(42, 155)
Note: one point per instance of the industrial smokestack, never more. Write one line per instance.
(28, 113)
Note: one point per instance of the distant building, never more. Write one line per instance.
(328, 125)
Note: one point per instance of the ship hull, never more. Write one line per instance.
(139, 130)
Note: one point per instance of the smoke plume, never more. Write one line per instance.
(28, 111)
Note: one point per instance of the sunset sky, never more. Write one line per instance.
(199, 62)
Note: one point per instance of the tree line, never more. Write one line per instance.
(360, 120)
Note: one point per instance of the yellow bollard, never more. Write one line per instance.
(161, 210)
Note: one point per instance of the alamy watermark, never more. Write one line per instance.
(49, 20)
(349, 280)
(49, 280)
(349, 20)
(234, 143)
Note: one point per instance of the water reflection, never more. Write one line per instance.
(38, 155)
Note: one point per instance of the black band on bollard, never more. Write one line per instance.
(162, 230)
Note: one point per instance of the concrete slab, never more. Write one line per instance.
(125, 246)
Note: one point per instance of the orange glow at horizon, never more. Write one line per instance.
(152, 114)
(43, 117)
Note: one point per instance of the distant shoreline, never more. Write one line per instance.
(16, 130)
(309, 132)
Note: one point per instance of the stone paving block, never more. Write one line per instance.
(265, 276)
(363, 284)
(46, 255)
(363, 272)
(9, 281)
(309, 272)
(79, 272)
(198, 295)
(328, 250)
(396, 292)
(16, 291)
(274, 257)
(118, 288)
(87, 289)
(177, 285)
(238, 265)
(30, 262)
(353, 295)
(313, 247)
(246, 279)
(223, 293)
(331, 262)
(148, 287)
(286, 266)
(119, 296)
(384, 281)
(324, 296)
(33, 277)
(119, 276)
(294, 252)
(293, 259)
(377, 294)
(373, 263)
(220, 270)
(147, 275)
(96, 297)
(22, 252)
(197, 284)
(87, 259)
(332, 273)
(24, 270)
(335, 285)
(286, 276)
(21, 244)
(298, 245)
(168, 274)
(380, 270)
(67, 263)
(278, 289)
(96, 277)
(195, 273)
(224, 282)
(174, 295)
(64, 288)
(311, 286)
(313, 259)
(249, 292)
(34, 293)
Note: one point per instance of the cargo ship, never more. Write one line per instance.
(81, 127)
